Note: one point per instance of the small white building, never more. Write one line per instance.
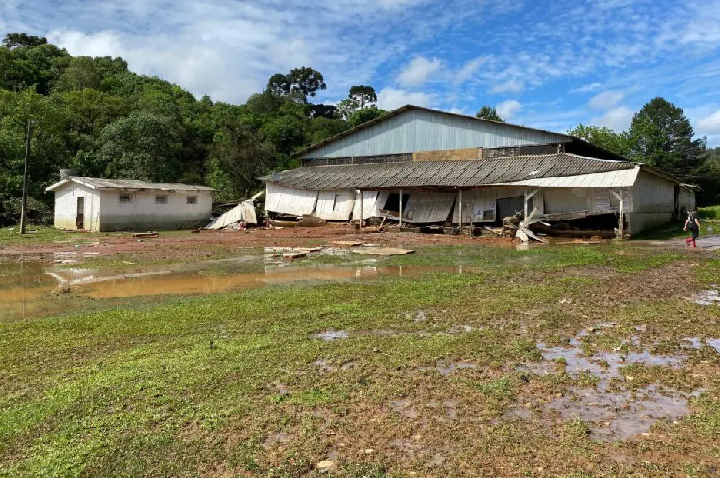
(105, 205)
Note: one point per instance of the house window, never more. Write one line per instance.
(125, 199)
(489, 215)
(160, 199)
(191, 200)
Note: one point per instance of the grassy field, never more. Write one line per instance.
(439, 374)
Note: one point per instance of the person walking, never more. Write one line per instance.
(693, 224)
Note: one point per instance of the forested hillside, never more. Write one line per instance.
(95, 116)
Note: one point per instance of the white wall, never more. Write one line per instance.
(653, 194)
(291, 201)
(66, 207)
(142, 213)
(335, 205)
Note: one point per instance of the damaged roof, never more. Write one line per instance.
(126, 184)
(447, 174)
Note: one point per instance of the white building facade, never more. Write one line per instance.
(107, 205)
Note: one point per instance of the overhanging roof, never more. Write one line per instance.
(405, 108)
(126, 184)
(449, 174)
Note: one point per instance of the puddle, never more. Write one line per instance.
(621, 415)
(707, 297)
(405, 408)
(614, 414)
(331, 334)
(697, 343)
(446, 368)
(276, 439)
(26, 288)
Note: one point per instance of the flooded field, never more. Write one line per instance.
(34, 288)
(306, 358)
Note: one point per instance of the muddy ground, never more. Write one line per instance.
(209, 355)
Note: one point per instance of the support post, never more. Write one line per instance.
(401, 211)
(460, 211)
(362, 211)
(621, 222)
(528, 196)
(23, 209)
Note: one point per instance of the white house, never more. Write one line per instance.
(104, 205)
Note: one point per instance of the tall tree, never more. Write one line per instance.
(602, 137)
(298, 84)
(237, 158)
(363, 95)
(20, 40)
(489, 113)
(662, 136)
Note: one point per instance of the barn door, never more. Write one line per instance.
(80, 218)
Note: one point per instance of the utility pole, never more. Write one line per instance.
(23, 210)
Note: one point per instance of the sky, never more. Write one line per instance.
(545, 64)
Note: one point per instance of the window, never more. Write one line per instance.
(160, 199)
(191, 200)
(489, 215)
(125, 199)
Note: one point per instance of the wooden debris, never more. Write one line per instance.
(383, 251)
(294, 255)
(346, 243)
(146, 234)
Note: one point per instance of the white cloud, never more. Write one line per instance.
(507, 109)
(587, 88)
(709, 125)
(391, 98)
(418, 71)
(469, 69)
(606, 100)
(510, 86)
(617, 119)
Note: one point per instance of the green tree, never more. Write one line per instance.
(603, 137)
(142, 145)
(489, 113)
(298, 84)
(238, 157)
(22, 40)
(81, 73)
(363, 95)
(662, 136)
(364, 115)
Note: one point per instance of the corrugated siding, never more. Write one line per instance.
(417, 130)
(370, 205)
(335, 205)
(592, 200)
(477, 201)
(686, 199)
(284, 200)
(653, 194)
(423, 208)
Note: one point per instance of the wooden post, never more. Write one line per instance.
(525, 206)
(622, 216)
(460, 211)
(23, 208)
(362, 211)
(401, 211)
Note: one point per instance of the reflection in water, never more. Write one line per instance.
(33, 289)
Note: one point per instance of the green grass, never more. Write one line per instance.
(198, 386)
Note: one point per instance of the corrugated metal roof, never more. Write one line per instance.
(614, 179)
(104, 184)
(412, 128)
(444, 174)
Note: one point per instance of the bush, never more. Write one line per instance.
(37, 213)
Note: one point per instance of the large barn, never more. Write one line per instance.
(423, 166)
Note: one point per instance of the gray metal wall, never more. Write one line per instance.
(417, 130)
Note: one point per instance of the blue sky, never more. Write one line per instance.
(547, 64)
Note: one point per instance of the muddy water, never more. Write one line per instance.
(29, 289)
(615, 413)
